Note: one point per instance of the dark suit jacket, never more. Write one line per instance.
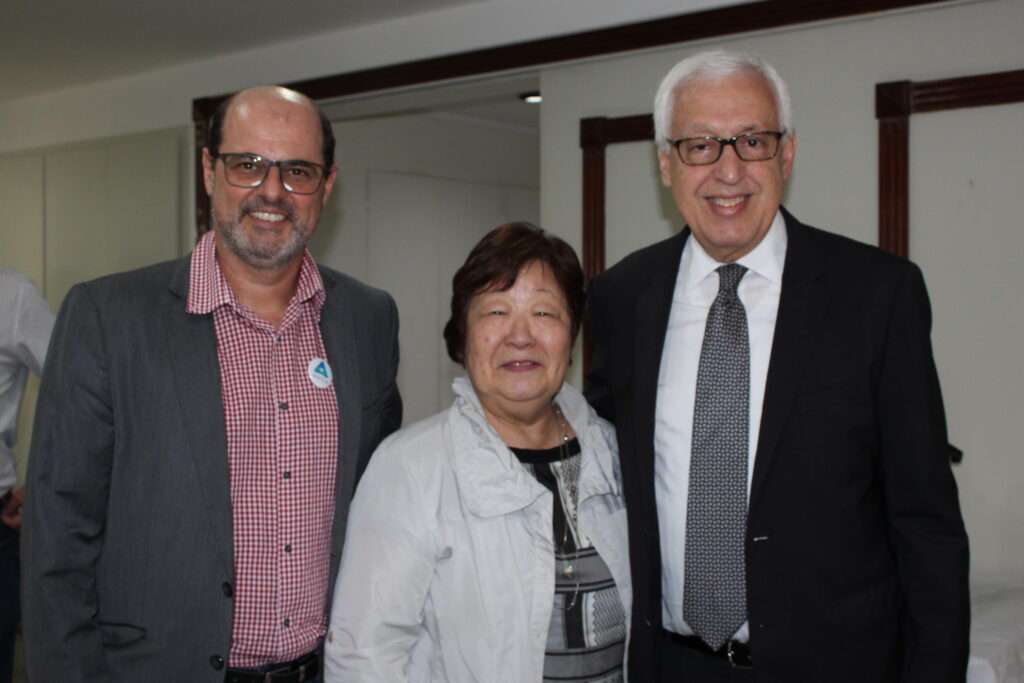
(860, 570)
(128, 551)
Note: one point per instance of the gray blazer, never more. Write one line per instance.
(127, 542)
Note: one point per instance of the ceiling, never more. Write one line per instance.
(52, 44)
(490, 101)
(48, 45)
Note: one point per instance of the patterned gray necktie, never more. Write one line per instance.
(714, 584)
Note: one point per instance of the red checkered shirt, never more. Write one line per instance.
(282, 437)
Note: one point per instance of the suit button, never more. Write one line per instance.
(217, 662)
(228, 590)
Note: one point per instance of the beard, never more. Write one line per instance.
(264, 254)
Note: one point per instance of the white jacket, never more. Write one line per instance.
(448, 572)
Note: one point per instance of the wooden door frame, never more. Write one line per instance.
(895, 102)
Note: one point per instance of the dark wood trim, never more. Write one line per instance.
(593, 140)
(1004, 87)
(595, 135)
(893, 176)
(201, 126)
(895, 102)
(742, 18)
(892, 108)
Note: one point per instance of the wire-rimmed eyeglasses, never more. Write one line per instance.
(250, 170)
(702, 150)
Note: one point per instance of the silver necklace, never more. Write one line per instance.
(570, 478)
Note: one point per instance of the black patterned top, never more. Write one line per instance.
(587, 635)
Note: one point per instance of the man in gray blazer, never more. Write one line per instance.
(200, 430)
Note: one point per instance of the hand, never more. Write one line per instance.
(11, 514)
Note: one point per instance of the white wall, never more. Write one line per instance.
(414, 194)
(832, 70)
(75, 212)
(421, 145)
(967, 232)
(163, 98)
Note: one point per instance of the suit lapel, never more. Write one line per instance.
(653, 305)
(338, 332)
(192, 349)
(802, 307)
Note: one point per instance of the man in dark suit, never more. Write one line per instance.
(200, 430)
(793, 516)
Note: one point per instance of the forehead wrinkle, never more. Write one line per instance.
(711, 130)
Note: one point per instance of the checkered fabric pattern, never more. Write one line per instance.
(282, 439)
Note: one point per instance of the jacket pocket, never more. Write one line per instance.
(120, 634)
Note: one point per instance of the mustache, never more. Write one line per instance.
(259, 204)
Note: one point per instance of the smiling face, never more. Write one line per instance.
(518, 344)
(730, 204)
(266, 227)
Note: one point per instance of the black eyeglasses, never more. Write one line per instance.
(250, 170)
(707, 149)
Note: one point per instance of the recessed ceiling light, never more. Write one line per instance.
(532, 97)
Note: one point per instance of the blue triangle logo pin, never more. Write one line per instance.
(320, 373)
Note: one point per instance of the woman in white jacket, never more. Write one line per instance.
(488, 543)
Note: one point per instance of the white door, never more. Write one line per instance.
(420, 230)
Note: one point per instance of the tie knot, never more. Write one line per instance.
(729, 277)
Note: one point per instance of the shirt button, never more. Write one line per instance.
(228, 589)
(287, 475)
(287, 622)
(217, 662)
(288, 548)
(283, 405)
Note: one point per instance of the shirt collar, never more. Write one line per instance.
(208, 288)
(767, 259)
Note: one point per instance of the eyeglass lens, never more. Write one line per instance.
(759, 146)
(245, 170)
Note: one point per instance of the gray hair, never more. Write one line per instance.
(715, 65)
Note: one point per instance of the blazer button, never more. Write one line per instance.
(228, 590)
(217, 662)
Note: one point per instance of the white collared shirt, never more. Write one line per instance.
(695, 290)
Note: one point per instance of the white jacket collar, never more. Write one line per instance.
(491, 479)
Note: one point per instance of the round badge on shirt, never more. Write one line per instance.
(320, 373)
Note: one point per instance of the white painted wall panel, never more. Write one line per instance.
(967, 234)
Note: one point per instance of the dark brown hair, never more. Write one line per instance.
(216, 132)
(495, 263)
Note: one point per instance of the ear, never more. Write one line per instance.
(665, 166)
(208, 162)
(332, 175)
(788, 154)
